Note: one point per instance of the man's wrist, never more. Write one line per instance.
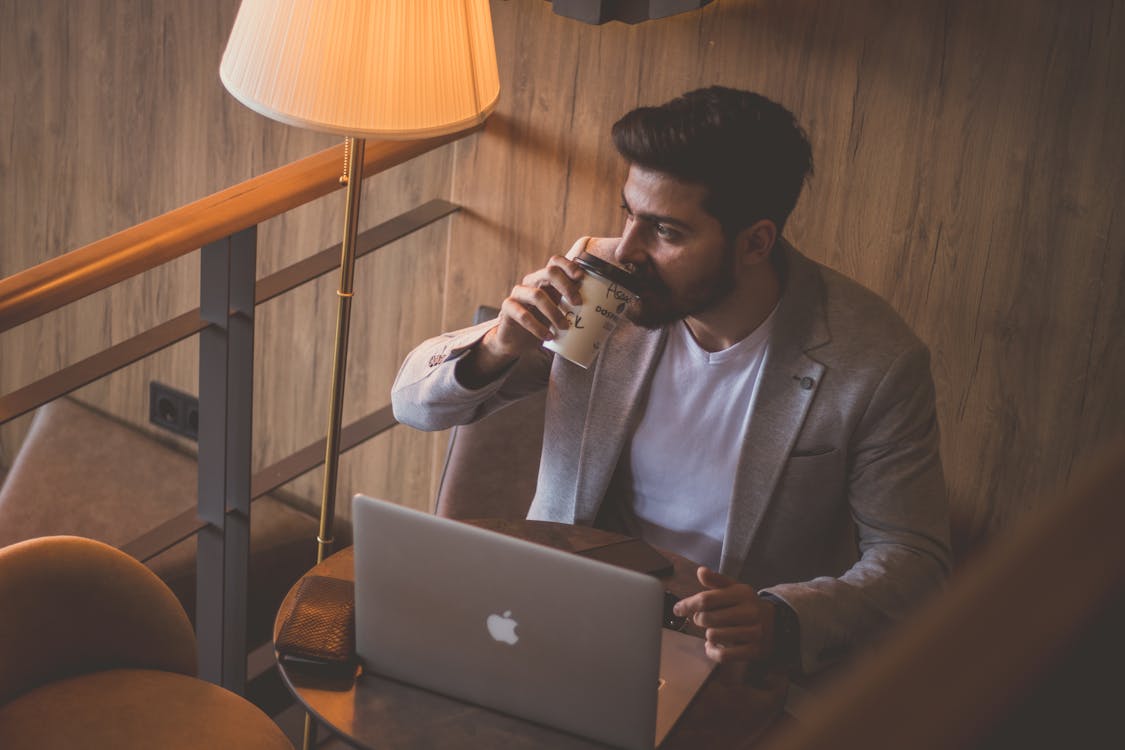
(481, 365)
(786, 650)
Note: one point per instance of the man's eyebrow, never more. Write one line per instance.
(654, 218)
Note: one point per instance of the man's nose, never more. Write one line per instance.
(630, 251)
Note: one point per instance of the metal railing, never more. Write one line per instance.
(223, 226)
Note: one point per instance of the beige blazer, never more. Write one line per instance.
(839, 505)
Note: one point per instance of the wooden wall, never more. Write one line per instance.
(112, 112)
(969, 160)
(968, 167)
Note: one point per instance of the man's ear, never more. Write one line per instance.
(754, 243)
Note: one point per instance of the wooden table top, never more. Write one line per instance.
(380, 713)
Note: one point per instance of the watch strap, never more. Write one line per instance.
(786, 633)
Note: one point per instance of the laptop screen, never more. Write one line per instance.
(538, 633)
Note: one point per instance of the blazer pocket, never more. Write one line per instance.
(815, 451)
(811, 498)
(814, 475)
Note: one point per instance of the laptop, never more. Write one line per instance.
(538, 633)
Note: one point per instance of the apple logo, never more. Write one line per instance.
(503, 628)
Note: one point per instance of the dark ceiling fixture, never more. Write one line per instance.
(627, 11)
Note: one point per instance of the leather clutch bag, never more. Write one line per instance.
(321, 627)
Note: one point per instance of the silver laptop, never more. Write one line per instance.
(538, 633)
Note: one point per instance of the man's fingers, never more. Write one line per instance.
(732, 615)
(727, 654)
(518, 313)
(541, 302)
(714, 599)
(720, 593)
(725, 645)
(562, 275)
(531, 313)
(731, 637)
(736, 614)
(534, 304)
(701, 602)
(603, 247)
(713, 579)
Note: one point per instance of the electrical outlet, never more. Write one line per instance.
(173, 410)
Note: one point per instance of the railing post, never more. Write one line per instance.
(226, 378)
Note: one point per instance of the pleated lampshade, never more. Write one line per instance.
(365, 68)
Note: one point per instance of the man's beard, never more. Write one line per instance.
(658, 306)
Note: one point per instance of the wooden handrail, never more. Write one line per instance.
(48, 286)
(174, 330)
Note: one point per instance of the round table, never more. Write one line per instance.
(379, 713)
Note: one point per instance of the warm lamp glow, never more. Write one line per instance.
(365, 68)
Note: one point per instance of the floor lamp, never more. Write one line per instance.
(392, 69)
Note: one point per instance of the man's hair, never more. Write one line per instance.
(746, 150)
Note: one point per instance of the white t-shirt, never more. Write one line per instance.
(677, 474)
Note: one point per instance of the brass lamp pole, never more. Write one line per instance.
(353, 164)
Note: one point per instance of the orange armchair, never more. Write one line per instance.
(96, 652)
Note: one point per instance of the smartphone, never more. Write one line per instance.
(338, 671)
(634, 554)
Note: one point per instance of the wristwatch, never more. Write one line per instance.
(786, 634)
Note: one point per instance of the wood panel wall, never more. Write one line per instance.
(112, 112)
(969, 161)
(968, 168)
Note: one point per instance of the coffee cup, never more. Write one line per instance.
(605, 295)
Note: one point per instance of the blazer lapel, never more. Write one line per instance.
(621, 376)
(789, 382)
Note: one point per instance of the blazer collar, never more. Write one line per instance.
(619, 382)
(789, 381)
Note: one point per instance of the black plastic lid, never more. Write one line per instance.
(605, 269)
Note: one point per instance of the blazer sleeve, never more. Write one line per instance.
(897, 498)
(427, 395)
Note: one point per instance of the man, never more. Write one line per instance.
(762, 414)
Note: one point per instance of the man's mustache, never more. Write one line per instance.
(645, 282)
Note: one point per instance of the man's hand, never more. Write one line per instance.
(739, 623)
(529, 316)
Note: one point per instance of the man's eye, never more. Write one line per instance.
(665, 232)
